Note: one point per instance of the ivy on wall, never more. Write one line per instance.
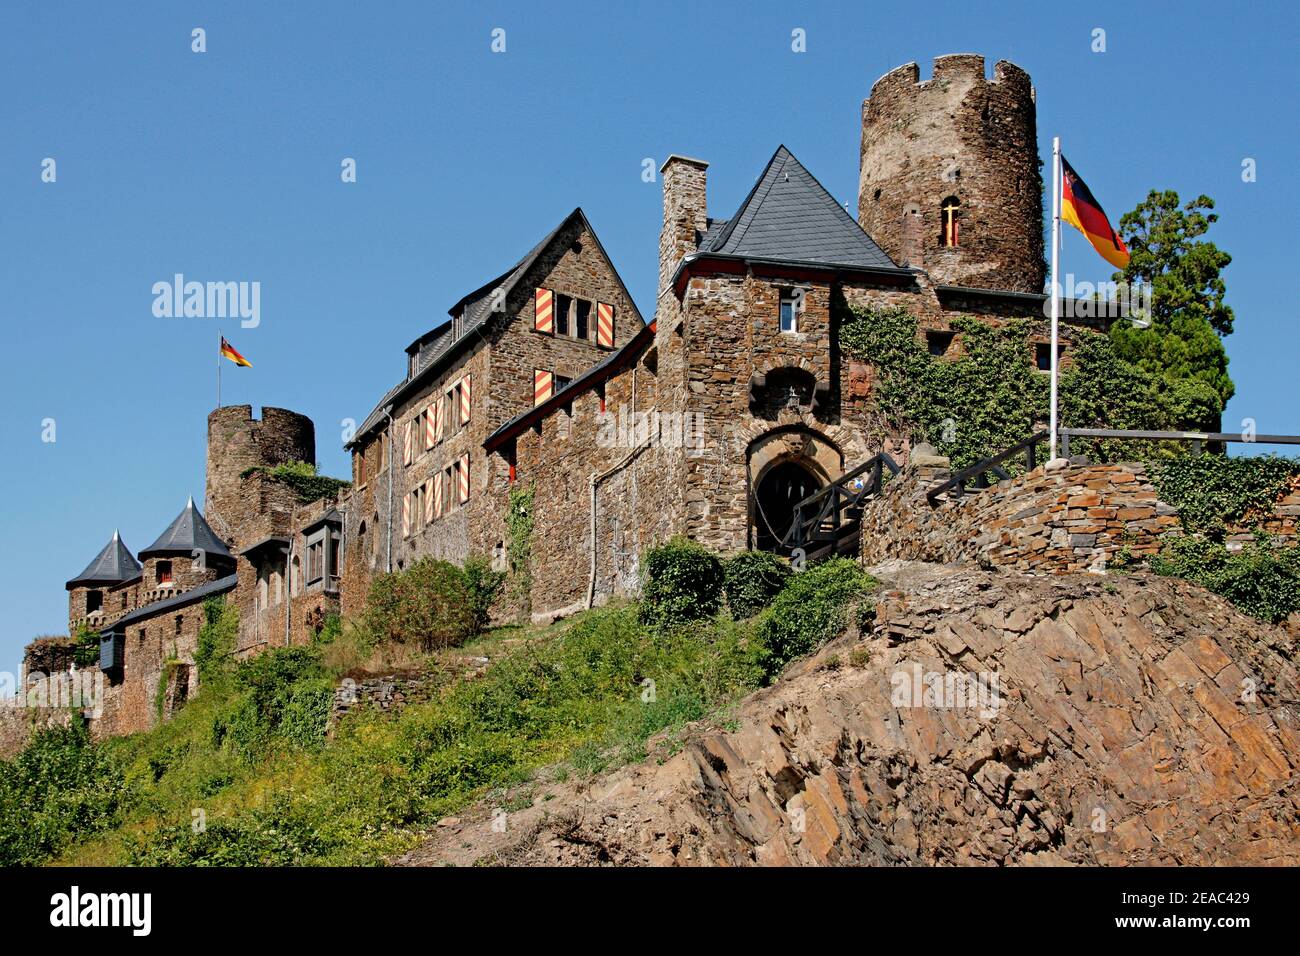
(301, 476)
(993, 396)
(519, 549)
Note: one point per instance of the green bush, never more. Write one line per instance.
(427, 604)
(751, 580)
(1212, 491)
(1261, 580)
(812, 608)
(86, 653)
(683, 583)
(484, 586)
(59, 788)
(302, 478)
(214, 653)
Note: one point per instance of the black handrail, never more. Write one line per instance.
(1196, 438)
(979, 471)
(828, 503)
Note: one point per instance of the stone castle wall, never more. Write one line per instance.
(1072, 518)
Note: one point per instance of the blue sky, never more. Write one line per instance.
(225, 165)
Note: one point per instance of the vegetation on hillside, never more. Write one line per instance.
(1215, 494)
(244, 773)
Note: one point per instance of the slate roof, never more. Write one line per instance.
(187, 533)
(219, 586)
(113, 565)
(477, 306)
(789, 216)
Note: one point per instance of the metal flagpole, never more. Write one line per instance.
(219, 337)
(1056, 288)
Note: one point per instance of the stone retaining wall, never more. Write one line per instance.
(1053, 519)
(390, 692)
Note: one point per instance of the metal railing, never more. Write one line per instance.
(1198, 439)
(977, 474)
(820, 518)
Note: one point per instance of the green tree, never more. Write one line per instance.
(1182, 346)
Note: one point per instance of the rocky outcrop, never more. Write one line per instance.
(986, 718)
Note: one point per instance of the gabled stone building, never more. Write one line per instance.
(709, 421)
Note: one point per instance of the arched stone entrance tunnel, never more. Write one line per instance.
(782, 486)
(785, 465)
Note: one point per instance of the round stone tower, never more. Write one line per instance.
(237, 442)
(949, 179)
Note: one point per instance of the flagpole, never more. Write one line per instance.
(218, 368)
(1055, 287)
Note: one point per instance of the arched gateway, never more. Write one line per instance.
(786, 465)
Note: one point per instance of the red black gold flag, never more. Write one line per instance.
(1081, 210)
(229, 352)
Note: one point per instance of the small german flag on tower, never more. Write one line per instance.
(1081, 210)
(229, 352)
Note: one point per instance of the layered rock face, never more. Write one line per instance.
(993, 719)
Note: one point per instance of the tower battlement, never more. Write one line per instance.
(949, 176)
(237, 442)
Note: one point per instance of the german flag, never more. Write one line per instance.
(1081, 210)
(229, 352)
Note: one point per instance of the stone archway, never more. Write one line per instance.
(784, 466)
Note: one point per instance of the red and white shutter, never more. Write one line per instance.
(431, 425)
(437, 495)
(543, 383)
(428, 501)
(605, 325)
(406, 445)
(543, 322)
(439, 418)
(406, 516)
(463, 474)
(464, 399)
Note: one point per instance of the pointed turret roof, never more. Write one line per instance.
(113, 565)
(188, 533)
(789, 216)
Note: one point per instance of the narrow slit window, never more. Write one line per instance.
(950, 216)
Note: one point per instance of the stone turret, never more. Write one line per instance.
(237, 442)
(949, 179)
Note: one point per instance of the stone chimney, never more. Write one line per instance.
(685, 213)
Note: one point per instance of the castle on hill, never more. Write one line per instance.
(709, 419)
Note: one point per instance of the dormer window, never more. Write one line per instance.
(790, 308)
(950, 217)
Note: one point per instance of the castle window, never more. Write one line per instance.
(562, 305)
(94, 601)
(950, 217)
(180, 622)
(1043, 355)
(581, 320)
(332, 584)
(790, 308)
(164, 572)
(938, 342)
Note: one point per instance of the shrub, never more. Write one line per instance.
(751, 580)
(1263, 581)
(59, 788)
(683, 583)
(811, 609)
(427, 604)
(86, 652)
(214, 652)
(484, 587)
(1212, 491)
